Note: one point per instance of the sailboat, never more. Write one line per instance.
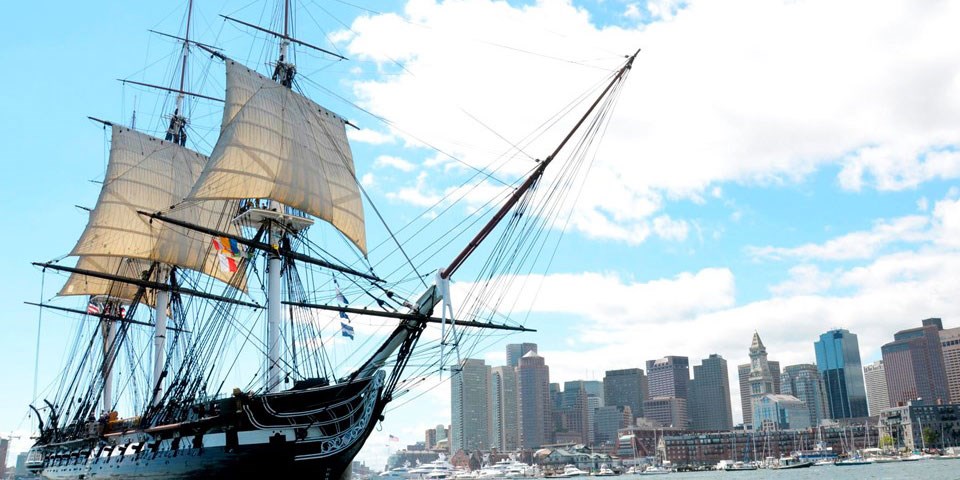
(172, 247)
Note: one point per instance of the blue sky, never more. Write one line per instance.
(779, 166)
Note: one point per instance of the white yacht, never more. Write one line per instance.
(572, 471)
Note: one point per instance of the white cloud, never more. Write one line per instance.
(670, 229)
(367, 180)
(393, 162)
(804, 280)
(856, 245)
(372, 137)
(875, 91)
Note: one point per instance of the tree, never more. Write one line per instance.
(930, 437)
(886, 441)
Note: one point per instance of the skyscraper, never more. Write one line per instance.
(950, 343)
(709, 403)
(803, 382)
(667, 412)
(838, 359)
(876, 383)
(536, 412)
(746, 404)
(590, 388)
(626, 388)
(470, 406)
(761, 379)
(913, 365)
(668, 377)
(504, 409)
(743, 375)
(608, 421)
(517, 350)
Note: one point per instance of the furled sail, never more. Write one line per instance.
(148, 174)
(79, 284)
(275, 143)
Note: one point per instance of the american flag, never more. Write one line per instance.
(93, 308)
(394, 439)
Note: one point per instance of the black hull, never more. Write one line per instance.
(270, 444)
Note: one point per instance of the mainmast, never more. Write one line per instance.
(176, 132)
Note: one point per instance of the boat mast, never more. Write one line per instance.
(109, 334)
(283, 74)
(175, 133)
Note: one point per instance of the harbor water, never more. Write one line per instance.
(922, 470)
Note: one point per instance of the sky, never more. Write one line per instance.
(784, 167)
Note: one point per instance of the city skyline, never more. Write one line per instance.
(700, 399)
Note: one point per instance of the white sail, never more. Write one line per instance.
(275, 143)
(79, 284)
(149, 174)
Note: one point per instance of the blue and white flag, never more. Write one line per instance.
(341, 298)
(344, 316)
(346, 330)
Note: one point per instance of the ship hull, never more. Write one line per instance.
(279, 438)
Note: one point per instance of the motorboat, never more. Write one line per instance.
(572, 471)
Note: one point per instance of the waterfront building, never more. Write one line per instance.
(709, 403)
(913, 365)
(761, 379)
(838, 359)
(780, 412)
(700, 449)
(504, 409)
(608, 420)
(667, 412)
(950, 344)
(516, 351)
(536, 408)
(470, 406)
(907, 423)
(668, 377)
(626, 388)
(803, 382)
(876, 383)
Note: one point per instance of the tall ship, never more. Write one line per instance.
(194, 265)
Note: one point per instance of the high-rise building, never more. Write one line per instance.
(504, 409)
(913, 365)
(761, 378)
(876, 383)
(4, 447)
(668, 377)
(803, 382)
(608, 421)
(575, 418)
(780, 412)
(470, 406)
(536, 412)
(746, 405)
(515, 351)
(708, 405)
(625, 388)
(838, 359)
(743, 377)
(667, 411)
(950, 343)
(775, 372)
(571, 388)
